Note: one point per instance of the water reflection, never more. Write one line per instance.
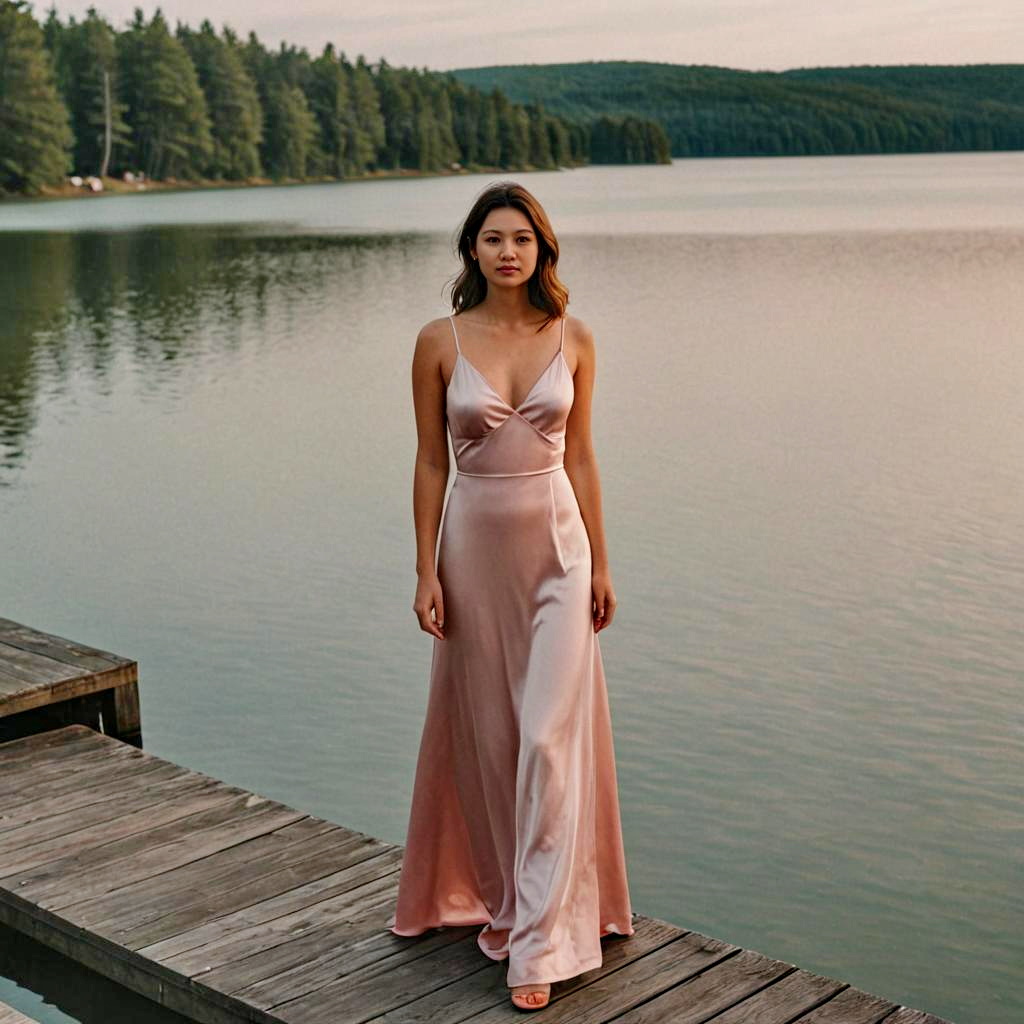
(70, 302)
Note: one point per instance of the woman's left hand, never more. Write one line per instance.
(604, 600)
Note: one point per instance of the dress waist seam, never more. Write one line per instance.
(529, 472)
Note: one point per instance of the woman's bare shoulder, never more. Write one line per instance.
(434, 335)
(434, 328)
(578, 333)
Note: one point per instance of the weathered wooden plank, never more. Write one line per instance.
(38, 820)
(124, 968)
(354, 1000)
(480, 991)
(357, 885)
(851, 1006)
(793, 994)
(712, 991)
(17, 778)
(36, 670)
(355, 944)
(66, 689)
(218, 929)
(358, 1001)
(45, 879)
(61, 883)
(143, 902)
(95, 802)
(127, 725)
(9, 1015)
(221, 998)
(230, 908)
(10, 685)
(333, 953)
(245, 886)
(122, 769)
(72, 771)
(47, 681)
(80, 772)
(37, 750)
(187, 800)
(91, 659)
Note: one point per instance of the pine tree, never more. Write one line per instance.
(35, 133)
(396, 105)
(490, 132)
(366, 126)
(166, 106)
(86, 59)
(540, 141)
(291, 132)
(329, 99)
(233, 104)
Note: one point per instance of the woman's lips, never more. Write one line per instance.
(508, 270)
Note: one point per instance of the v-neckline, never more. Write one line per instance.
(493, 390)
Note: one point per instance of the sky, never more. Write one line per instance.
(768, 35)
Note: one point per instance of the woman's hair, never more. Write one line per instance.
(545, 290)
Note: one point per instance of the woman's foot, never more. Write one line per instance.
(531, 997)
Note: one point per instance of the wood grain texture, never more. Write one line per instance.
(485, 991)
(17, 634)
(228, 907)
(40, 672)
(722, 986)
(851, 1006)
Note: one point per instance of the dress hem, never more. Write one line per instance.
(409, 933)
(582, 969)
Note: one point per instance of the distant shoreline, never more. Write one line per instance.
(118, 187)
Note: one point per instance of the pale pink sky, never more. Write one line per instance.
(750, 34)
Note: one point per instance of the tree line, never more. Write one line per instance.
(194, 104)
(714, 112)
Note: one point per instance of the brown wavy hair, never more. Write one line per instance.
(545, 290)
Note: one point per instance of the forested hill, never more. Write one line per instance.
(88, 105)
(714, 111)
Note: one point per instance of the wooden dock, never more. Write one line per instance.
(228, 907)
(47, 681)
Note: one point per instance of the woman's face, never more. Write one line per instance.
(506, 239)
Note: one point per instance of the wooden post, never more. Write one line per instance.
(127, 725)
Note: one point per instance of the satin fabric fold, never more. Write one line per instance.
(515, 822)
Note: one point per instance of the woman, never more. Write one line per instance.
(515, 818)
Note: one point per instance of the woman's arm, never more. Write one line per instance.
(581, 467)
(430, 476)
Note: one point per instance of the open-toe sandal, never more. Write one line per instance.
(529, 1000)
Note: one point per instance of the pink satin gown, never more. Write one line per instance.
(515, 821)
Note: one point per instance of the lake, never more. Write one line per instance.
(809, 421)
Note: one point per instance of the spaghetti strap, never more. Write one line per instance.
(561, 338)
(451, 317)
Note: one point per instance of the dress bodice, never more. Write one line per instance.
(492, 438)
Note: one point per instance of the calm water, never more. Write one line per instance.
(809, 421)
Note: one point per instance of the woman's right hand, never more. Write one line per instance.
(430, 599)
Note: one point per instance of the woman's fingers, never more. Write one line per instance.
(429, 609)
(604, 608)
